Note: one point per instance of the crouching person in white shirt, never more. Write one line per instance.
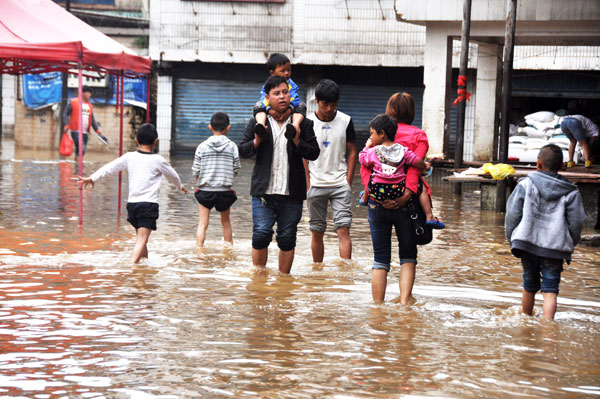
(145, 169)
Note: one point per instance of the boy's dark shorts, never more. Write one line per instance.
(142, 214)
(548, 269)
(220, 200)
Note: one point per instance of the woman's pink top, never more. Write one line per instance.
(415, 140)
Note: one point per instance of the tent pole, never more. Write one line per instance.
(121, 83)
(117, 95)
(148, 101)
(80, 131)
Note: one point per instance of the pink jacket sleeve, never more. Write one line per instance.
(410, 158)
(419, 148)
(365, 159)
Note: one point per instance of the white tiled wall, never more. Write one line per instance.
(164, 113)
(9, 83)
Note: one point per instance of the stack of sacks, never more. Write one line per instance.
(525, 149)
(542, 124)
(513, 130)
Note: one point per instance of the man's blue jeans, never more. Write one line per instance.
(271, 209)
(75, 137)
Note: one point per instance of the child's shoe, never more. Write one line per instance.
(588, 164)
(260, 131)
(435, 224)
(570, 164)
(427, 172)
(290, 131)
(360, 199)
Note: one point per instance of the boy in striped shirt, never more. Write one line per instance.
(216, 163)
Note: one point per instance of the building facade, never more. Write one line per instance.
(557, 56)
(211, 56)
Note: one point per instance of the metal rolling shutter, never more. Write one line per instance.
(362, 103)
(195, 102)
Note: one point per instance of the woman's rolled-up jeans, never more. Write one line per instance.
(381, 221)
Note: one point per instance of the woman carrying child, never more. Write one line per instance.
(386, 162)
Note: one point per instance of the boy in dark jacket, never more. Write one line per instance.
(544, 219)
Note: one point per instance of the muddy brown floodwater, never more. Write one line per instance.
(78, 320)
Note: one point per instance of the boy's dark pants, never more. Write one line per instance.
(535, 266)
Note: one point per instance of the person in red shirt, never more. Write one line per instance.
(71, 115)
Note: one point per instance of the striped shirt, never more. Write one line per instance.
(216, 163)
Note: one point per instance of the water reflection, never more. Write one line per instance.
(78, 320)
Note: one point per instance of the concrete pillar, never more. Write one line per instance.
(164, 113)
(485, 108)
(436, 76)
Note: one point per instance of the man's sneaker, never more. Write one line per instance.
(588, 164)
(570, 164)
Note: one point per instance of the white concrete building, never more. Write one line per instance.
(550, 35)
(211, 56)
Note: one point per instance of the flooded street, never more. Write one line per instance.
(78, 320)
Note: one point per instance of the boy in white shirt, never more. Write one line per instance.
(329, 177)
(145, 169)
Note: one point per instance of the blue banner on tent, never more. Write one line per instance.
(45, 89)
(133, 88)
(41, 89)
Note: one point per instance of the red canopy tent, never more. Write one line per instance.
(39, 36)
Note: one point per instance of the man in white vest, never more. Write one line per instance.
(329, 177)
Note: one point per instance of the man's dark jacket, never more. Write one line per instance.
(308, 148)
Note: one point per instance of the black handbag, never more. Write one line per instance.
(423, 232)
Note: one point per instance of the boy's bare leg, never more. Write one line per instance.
(426, 205)
(259, 257)
(378, 285)
(550, 299)
(344, 242)
(226, 223)
(141, 250)
(407, 280)
(286, 258)
(317, 247)
(296, 121)
(203, 218)
(261, 118)
(527, 302)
